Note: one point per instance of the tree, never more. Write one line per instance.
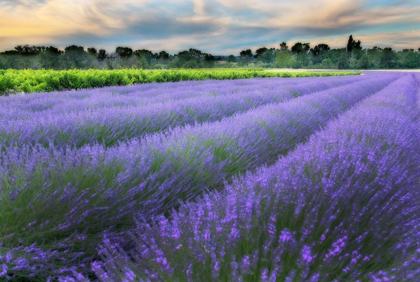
(310, 65)
(142, 62)
(124, 52)
(176, 63)
(295, 62)
(187, 55)
(283, 46)
(260, 52)
(318, 52)
(300, 50)
(209, 61)
(231, 59)
(246, 54)
(354, 46)
(191, 64)
(26, 50)
(410, 59)
(269, 56)
(388, 59)
(102, 55)
(283, 59)
(374, 56)
(320, 49)
(353, 62)
(297, 48)
(350, 43)
(163, 55)
(50, 58)
(364, 62)
(75, 57)
(147, 54)
(343, 61)
(92, 51)
(327, 64)
(26, 55)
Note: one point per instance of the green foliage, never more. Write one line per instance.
(364, 62)
(353, 62)
(409, 59)
(388, 59)
(296, 62)
(51, 80)
(231, 59)
(343, 62)
(5, 83)
(327, 64)
(283, 59)
(142, 62)
(191, 64)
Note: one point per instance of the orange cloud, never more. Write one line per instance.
(210, 24)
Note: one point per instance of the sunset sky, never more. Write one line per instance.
(220, 27)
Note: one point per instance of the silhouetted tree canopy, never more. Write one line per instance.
(320, 49)
(231, 59)
(299, 55)
(74, 49)
(353, 45)
(283, 46)
(388, 58)
(26, 50)
(163, 55)
(246, 53)
(102, 55)
(300, 48)
(124, 52)
(343, 61)
(92, 51)
(260, 52)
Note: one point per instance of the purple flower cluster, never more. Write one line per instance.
(78, 168)
(106, 118)
(341, 207)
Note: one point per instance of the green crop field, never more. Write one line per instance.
(28, 81)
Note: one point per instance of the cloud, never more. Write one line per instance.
(218, 26)
(198, 7)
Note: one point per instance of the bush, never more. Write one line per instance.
(327, 64)
(51, 80)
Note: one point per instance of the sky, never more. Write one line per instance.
(219, 27)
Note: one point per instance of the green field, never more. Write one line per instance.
(27, 81)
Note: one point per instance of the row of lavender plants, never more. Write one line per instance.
(114, 123)
(58, 203)
(342, 207)
(140, 94)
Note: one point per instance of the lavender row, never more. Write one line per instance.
(342, 207)
(77, 195)
(110, 125)
(127, 96)
(117, 97)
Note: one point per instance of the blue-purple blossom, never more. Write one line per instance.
(305, 179)
(344, 207)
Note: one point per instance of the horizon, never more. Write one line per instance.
(218, 27)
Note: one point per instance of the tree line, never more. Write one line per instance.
(300, 55)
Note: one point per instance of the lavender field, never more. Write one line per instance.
(265, 179)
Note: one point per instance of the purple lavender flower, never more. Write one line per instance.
(63, 192)
(349, 193)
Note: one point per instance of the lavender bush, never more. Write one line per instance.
(95, 120)
(141, 94)
(342, 207)
(58, 201)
